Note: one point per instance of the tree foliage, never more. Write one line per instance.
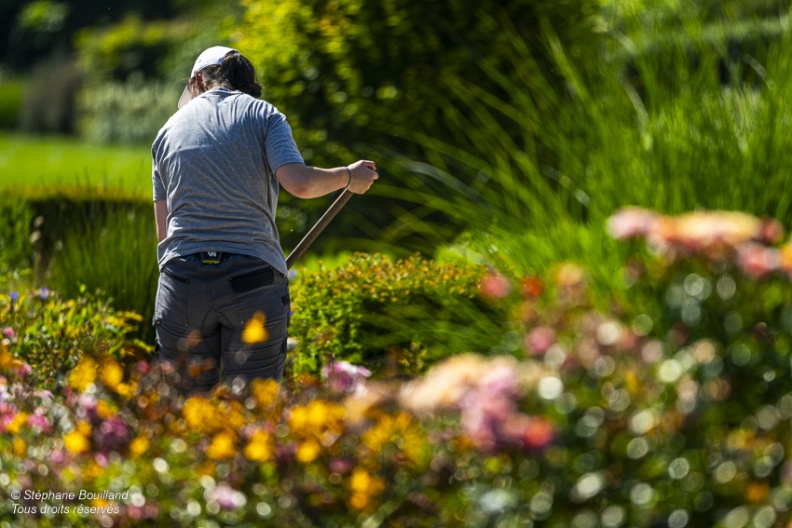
(349, 71)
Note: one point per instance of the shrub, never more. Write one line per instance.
(50, 334)
(398, 316)
(131, 112)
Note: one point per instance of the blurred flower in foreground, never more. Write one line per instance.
(83, 375)
(255, 330)
(9, 332)
(495, 286)
(705, 231)
(757, 260)
(343, 376)
(486, 392)
(260, 447)
(540, 339)
(226, 497)
(631, 222)
(364, 488)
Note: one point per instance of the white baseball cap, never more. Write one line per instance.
(208, 57)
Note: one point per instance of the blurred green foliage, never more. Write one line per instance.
(11, 90)
(353, 72)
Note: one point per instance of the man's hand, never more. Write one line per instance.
(364, 173)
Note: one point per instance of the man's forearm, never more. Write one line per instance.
(305, 181)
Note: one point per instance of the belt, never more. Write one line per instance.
(213, 257)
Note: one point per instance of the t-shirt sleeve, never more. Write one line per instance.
(279, 143)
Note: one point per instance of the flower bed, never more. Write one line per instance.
(671, 410)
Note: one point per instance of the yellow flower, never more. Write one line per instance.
(232, 415)
(126, 390)
(20, 448)
(83, 375)
(364, 488)
(223, 446)
(318, 418)
(139, 445)
(92, 470)
(201, 415)
(105, 410)
(84, 428)
(298, 419)
(259, 447)
(264, 391)
(76, 442)
(399, 431)
(255, 331)
(308, 451)
(112, 374)
(16, 423)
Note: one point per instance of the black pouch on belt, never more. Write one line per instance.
(252, 280)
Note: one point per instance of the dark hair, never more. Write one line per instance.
(236, 72)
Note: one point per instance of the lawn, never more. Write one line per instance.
(36, 166)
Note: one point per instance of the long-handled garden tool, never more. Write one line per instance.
(318, 228)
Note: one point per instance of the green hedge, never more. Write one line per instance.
(394, 317)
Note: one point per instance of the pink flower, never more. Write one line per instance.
(342, 465)
(495, 286)
(40, 422)
(9, 332)
(22, 370)
(757, 260)
(540, 339)
(111, 435)
(631, 222)
(344, 376)
(226, 497)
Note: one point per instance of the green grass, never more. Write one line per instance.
(36, 166)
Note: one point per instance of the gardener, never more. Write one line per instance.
(222, 306)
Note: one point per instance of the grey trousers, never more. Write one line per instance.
(201, 312)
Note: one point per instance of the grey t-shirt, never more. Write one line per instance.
(214, 163)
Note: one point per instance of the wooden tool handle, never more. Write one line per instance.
(318, 228)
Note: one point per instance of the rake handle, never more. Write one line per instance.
(308, 239)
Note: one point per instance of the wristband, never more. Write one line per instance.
(350, 177)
